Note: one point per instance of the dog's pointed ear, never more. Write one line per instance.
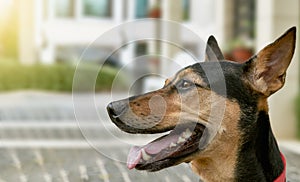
(212, 50)
(266, 71)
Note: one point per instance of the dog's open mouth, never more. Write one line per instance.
(167, 150)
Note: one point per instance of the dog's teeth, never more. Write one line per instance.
(172, 145)
(187, 133)
(180, 140)
(145, 156)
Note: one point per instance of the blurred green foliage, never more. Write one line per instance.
(56, 77)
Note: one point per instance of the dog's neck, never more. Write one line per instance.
(257, 158)
(212, 169)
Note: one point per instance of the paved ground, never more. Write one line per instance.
(41, 141)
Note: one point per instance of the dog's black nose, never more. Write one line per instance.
(116, 108)
(110, 109)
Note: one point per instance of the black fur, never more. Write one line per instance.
(259, 157)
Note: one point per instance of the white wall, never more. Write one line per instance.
(274, 17)
(27, 31)
(78, 30)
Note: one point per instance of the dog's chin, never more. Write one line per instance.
(168, 150)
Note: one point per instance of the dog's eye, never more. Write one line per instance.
(185, 84)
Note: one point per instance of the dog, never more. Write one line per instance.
(237, 144)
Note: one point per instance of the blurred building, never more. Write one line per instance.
(59, 30)
(54, 30)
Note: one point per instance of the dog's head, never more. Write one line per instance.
(204, 106)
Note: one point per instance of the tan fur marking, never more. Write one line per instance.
(190, 75)
(177, 107)
(167, 81)
(263, 105)
(218, 161)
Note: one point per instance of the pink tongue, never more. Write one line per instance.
(134, 157)
(135, 153)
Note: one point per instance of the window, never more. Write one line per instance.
(141, 49)
(64, 8)
(141, 8)
(125, 9)
(244, 13)
(97, 8)
(186, 10)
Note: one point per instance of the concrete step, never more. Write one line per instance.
(78, 165)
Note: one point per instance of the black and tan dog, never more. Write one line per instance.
(240, 145)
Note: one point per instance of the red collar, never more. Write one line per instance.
(281, 177)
